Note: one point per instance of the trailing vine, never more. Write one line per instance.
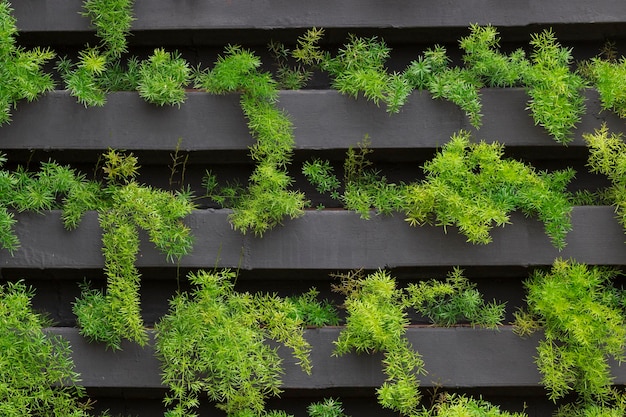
(21, 70)
(161, 79)
(267, 200)
(115, 315)
(582, 316)
(214, 341)
(377, 318)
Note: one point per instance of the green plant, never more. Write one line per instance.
(453, 301)
(556, 92)
(112, 20)
(327, 408)
(607, 157)
(307, 55)
(377, 319)
(467, 185)
(36, 368)
(163, 78)
(51, 187)
(214, 340)
(312, 312)
(376, 322)
(472, 186)
(267, 199)
(127, 208)
(582, 316)
(453, 405)
(21, 70)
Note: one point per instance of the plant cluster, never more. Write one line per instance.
(359, 67)
(453, 301)
(606, 156)
(453, 405)
(267, 200)
(21, 70)
(52, 187)
(582, 316)
(377, 319)
(127, 208)
(214, 341)
(36, 370)
(161, 79)
(467, 185)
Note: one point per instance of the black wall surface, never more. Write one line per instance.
(212, 132)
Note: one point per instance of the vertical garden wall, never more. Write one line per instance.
(173, 185)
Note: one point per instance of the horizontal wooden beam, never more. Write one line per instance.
(457, 357)
(323, 120)
(63, 15)
(329, 239)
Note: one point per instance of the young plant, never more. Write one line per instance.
(312, 312)
(163, 78)
(607, 156)
(267, 199)
(467, 185)
(471, 186)
(582, 316)
(214, 341)
(21, 70)
(556, 92)
(608, 76)
(36, 369)
(115, 315)
(453, 405)
(327, 408)
(453, 301)
(376, 322)
(51, 187)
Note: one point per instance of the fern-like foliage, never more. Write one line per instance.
(453, 301)
(556, 92)
(606, 156)
(115, 315)
(330, 407)
(467, 185)
(112, 20)
(161, 79)
(609, 78)
(376, 322)
(267, 199)
(454, 405)
(214, 341)
(36, 368)
(312, 312)
(51, 187)
(582, 315)
(470, 185)
(21, 70)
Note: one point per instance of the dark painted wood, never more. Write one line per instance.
(62, 15)
(456, 357)
(329, 239)
(322, 119)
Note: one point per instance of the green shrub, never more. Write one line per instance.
(36, 369)
(214, 341)
(21, 70)
(582, 316)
